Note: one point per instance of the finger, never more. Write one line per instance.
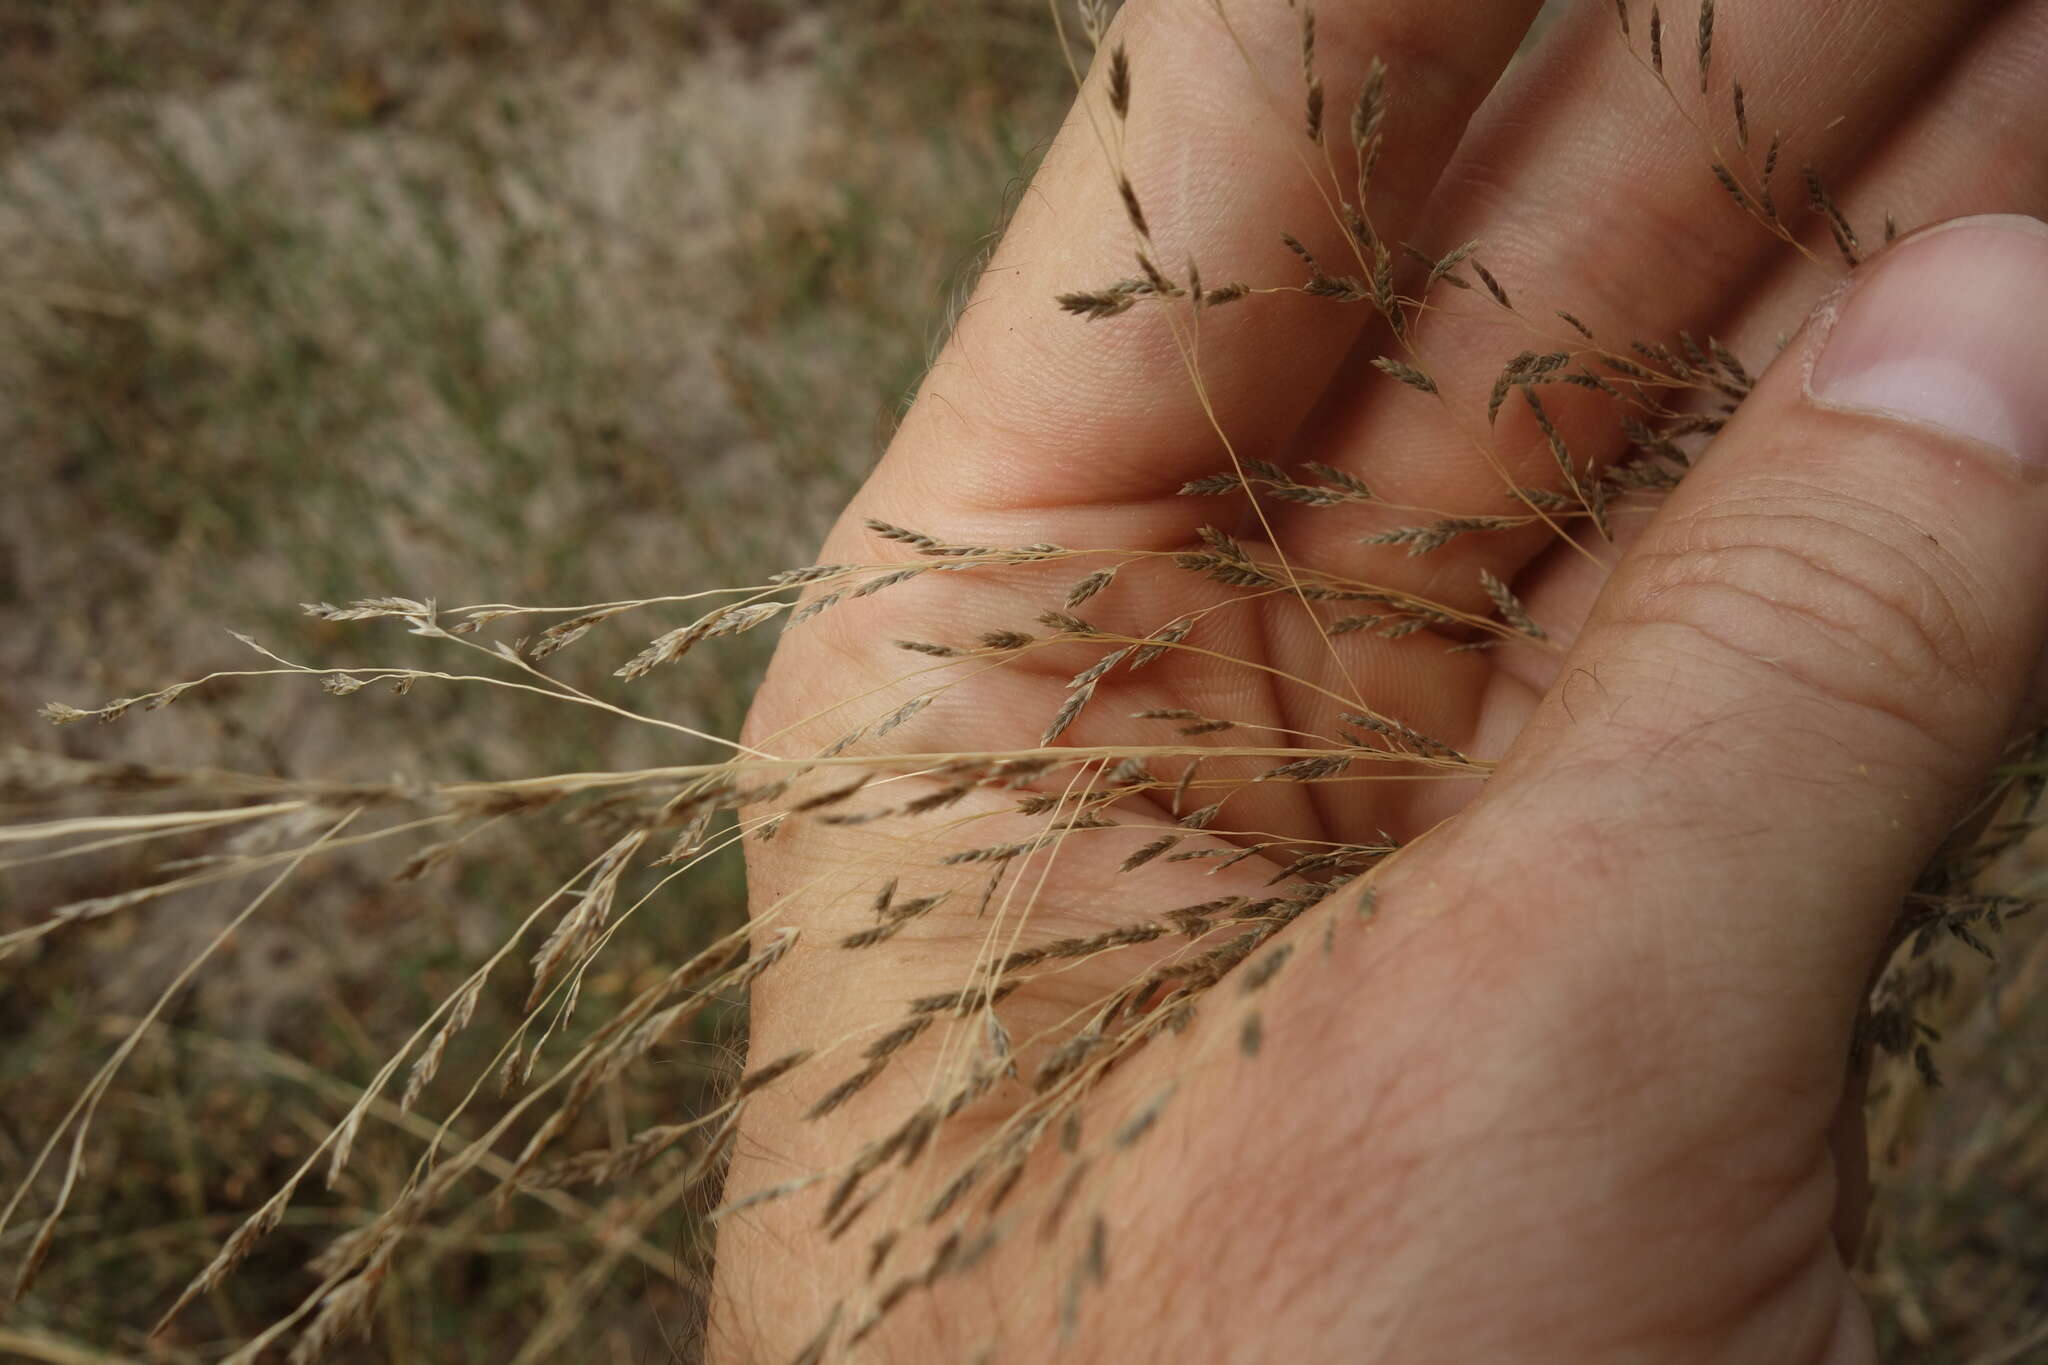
(1967, 152)
(1972, 148)
(1590, 189)
(1794, 681)
(1026, 411)
(1953, 153)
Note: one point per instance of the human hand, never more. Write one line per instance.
(1576, 1088)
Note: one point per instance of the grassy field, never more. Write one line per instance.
(495, 303)
(452, 301)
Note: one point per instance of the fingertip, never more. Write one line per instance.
(1946, 332)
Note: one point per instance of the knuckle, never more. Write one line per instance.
(1845, 597)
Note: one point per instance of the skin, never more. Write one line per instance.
(1579, 1091)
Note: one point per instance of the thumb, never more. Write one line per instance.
(1790, 688)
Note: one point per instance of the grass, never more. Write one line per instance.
(273, 339)
(437, 301)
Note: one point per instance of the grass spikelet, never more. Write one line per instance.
(1313, 769)
(1727, 181)
(232, 1253)
(1441, 269)
(1823, 203)
(1069, 712)
(1313, 83)
(1097, 304)
(1067, 624)
(345, 1310)
(900, 534)
(1369, 114)
(1406, 373)
(580, 925)
(668, 648)
(1088, 587)
(1132, 209)
(840, 1094)
(1148, 852)
(887, 580)
(371, 609)
(1095, 16)
(1160, 641)
(902, 714)
(1435, 535)
(1704, 45)
(1088, 676)
(1500, 295)
(429, 1060)
(565, 633)
(770, 1072)
(1509, 606)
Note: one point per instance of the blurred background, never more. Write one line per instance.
(541, 304)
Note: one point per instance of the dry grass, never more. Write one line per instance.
(245, 365)
(463, 1069)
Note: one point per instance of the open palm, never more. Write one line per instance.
(1313, 630)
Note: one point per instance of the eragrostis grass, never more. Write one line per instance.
(974, 1101)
